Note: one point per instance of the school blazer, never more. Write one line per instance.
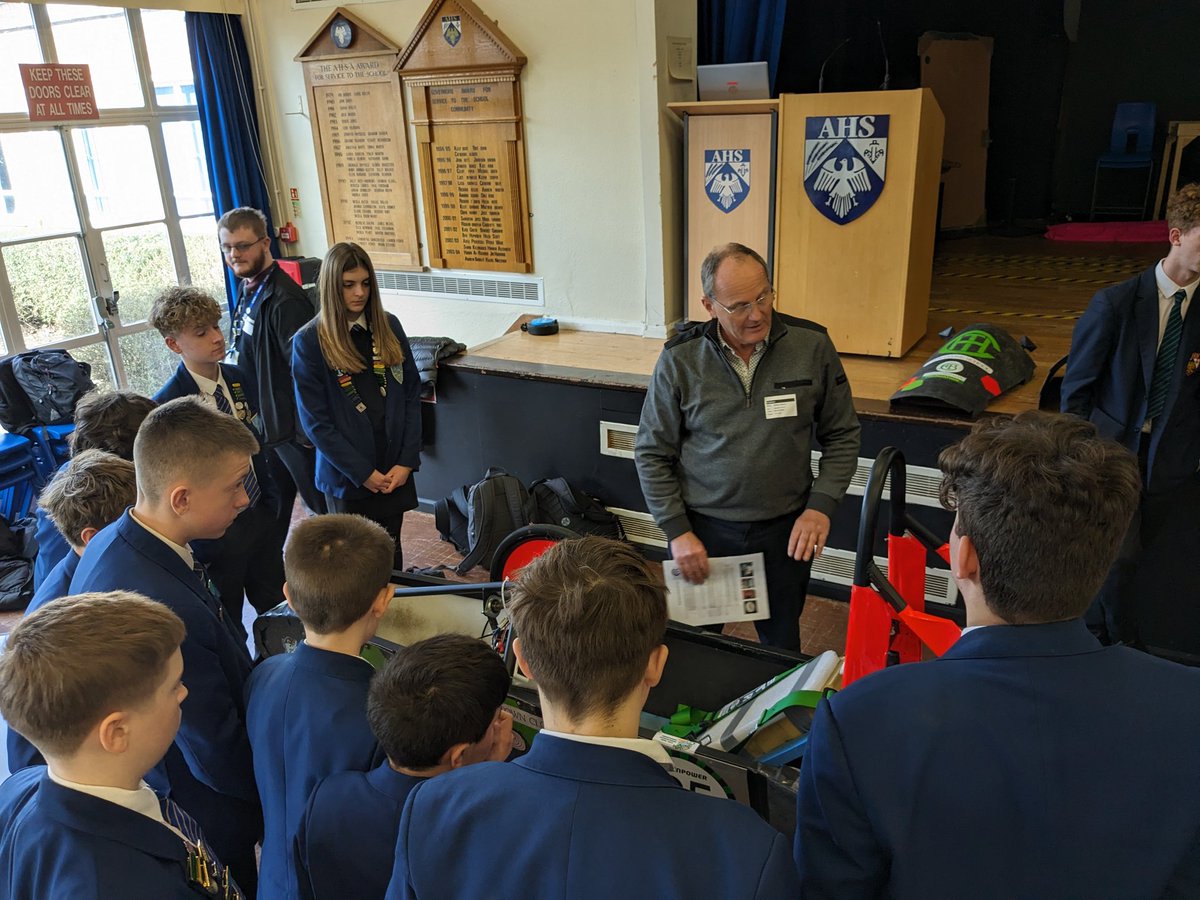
(583, 821)
(342, 435)
(52, 547)
(1110, 368)
(208, 769)
(182, 384)
(58, 842)
(306, 713)
(1027, 761)
(346, 840)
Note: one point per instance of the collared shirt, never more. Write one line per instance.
(361, 320)
(652, 749)
(745, 370)
(184, 551)
(971, 628)
(1166, 298)
(208, 387)
(143, 800)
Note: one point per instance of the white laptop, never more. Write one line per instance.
(734, 81)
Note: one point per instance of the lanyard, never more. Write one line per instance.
(347, 384)
(248, 309)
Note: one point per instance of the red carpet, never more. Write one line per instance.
(1124, 232)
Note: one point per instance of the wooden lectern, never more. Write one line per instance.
(849, 226)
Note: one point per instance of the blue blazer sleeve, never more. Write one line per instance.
(399, 887)
(1091, 355)
(835, 848)
(315, 382)
(410, 448)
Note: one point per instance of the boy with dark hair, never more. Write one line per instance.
(996, 742)
(105, 421)
(436, 706)
(95, 681)
(247, 561)
(88, 494)
(306, 711)
(599, 814)
(191, 463)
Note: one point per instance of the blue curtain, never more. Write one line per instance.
(228, 117)
(735, 31)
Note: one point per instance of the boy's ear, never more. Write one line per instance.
(87, 534)
(382, 600)
(655, 665)
(113, 732)
(519, 653)
(287, 595)
(455, 757)
(180, 498)
(965, 563)
(173, 345)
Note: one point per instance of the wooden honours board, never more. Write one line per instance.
(357, 113)
(462, 76)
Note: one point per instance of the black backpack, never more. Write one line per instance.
(18, 547)
(556, 502)
(16, 413)
(476, 518)
(53, 381)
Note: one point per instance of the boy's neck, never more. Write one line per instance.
(211, 371)
(620, 723)
(163, 521)
(349, 642)
(418, 773)
(81, 769)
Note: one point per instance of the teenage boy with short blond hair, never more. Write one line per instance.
(95, 681)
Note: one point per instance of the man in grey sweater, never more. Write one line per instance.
(723, 449)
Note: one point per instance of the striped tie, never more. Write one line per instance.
(253, 491)
(1168, 355)
(203, 869)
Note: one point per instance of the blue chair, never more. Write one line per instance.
(51, 448)
(18, 477)
(1129, 149)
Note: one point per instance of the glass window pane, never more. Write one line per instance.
(18, 44)
(99, 36)
(35, 191)
(170, 59)
(188, 166)
(147, 361)
(205, 264)
(50, 290)
(116, 167)
(140, 267)
(97, 356)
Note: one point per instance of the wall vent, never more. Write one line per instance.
(837, 567)
(617, 439)
(922, 481)
(640, 528)
(492, 287)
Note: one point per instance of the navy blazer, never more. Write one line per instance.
(58, 842)
(1110, 368)
(1028, 761)
(583, 821)
(52, 547)
(306, 713)
(342, 435)
(208, 770)
(347, 835)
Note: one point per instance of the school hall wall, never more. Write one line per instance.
(603, 155)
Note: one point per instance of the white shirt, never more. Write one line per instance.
(1166, 298)
(208, 387)
(143, 800)
(361, 320)
(185, 552)
(652, 749)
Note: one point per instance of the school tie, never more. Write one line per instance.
(1168, 354)
(253, 491)
(210, 587)
(204, 870)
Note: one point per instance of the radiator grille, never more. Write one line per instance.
(617, 439)
(922, 481)
(837, 567)
(523, 290)
(640, 528)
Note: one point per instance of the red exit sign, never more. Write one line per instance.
(58, 92)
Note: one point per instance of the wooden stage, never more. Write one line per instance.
(1029, 286)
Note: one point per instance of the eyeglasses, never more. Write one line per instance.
(741, 309)
(230, 249)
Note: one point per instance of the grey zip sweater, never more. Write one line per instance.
(705, 444)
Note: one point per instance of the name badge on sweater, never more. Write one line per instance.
(248, 325)
(780, 406)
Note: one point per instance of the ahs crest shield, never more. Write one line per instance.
(845, 158)
(452, 29)
(727, 178)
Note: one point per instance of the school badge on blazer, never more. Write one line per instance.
(727, 178)
(1193, 363)
(845, 162)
